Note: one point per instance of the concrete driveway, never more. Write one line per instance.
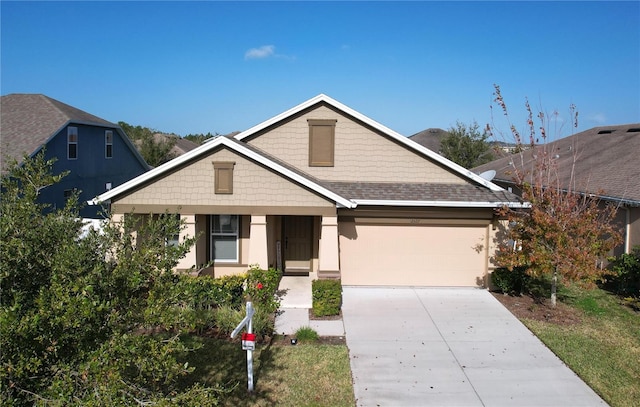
(450, 347)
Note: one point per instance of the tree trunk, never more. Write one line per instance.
(554, 285)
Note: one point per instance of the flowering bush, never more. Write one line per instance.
(261, 288)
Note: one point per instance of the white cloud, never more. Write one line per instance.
(264, 51)
(598, 118)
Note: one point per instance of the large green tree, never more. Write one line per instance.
(567, 233)
(155, 150)
(466, 145)
(73, 304)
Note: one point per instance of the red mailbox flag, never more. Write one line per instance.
(248, 341)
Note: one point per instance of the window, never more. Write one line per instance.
(173, 237)
(223, 173)
(108, 143)
(68, 193)
(224, 238)
(321, 142)
(72, 143)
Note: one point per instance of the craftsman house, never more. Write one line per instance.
(323, 189)
(97, 153)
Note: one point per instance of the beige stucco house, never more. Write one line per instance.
(322, 188)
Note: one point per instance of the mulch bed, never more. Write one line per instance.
(539, 309)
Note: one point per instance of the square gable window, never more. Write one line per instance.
(322, 134)
(223, 177)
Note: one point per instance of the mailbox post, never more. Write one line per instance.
(248, 342)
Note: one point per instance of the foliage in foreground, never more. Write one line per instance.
(567, 233)
(603, 349)
(71, 307)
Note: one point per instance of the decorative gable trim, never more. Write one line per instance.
(239, 148)
(412, 145)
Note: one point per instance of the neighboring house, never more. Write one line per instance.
(181, 145)
(602, 161)
(430, 138)
(323, 189)
(97, 153)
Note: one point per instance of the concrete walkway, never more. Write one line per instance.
(450, 347)
(294, 308)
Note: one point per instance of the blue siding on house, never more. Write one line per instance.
(90, 172)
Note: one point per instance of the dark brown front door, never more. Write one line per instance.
(297, 244)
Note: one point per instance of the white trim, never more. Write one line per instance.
(447, 204)
(235, 146)
(396, 136)
(340, 201)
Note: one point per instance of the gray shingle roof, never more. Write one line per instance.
(603, 160)
(27, 121)
(382, 191)
(420, 192)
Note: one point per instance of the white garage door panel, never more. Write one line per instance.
(413, 255)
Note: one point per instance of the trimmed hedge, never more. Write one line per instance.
(327, 297)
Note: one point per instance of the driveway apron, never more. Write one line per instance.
(450, 347)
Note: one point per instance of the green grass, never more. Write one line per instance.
(306, 334)
(604, 349)
(301, 375)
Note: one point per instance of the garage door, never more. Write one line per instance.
(412, 255)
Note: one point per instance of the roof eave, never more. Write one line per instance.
(239, 148)
(442, 204)
(378, 126)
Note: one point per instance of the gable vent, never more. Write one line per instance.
(633, 130)
(606, 131)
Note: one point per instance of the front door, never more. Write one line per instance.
(297, 244)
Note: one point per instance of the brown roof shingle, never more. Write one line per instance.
(27, 121)
(602, 160)
(420, 192)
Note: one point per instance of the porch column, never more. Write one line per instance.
(189, 259)
(328, 256)
(258, 241)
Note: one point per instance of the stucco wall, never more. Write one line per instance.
(360, 153)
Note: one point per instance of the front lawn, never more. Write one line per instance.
(284, 375)
(602, 345)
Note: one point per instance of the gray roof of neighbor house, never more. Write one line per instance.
(430, 138)
(602, 160)
(28, 121)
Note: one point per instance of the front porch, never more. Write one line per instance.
(301, 245)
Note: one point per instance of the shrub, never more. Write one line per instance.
(187, 303)
(261, 288)
(626, 274)
(513, 282)
(306, 334)
(228, 318)
(327, 297)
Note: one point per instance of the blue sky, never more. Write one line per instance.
(197, 67)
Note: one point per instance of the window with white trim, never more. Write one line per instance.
(224, 238)
(108, 144)
(72, 143)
